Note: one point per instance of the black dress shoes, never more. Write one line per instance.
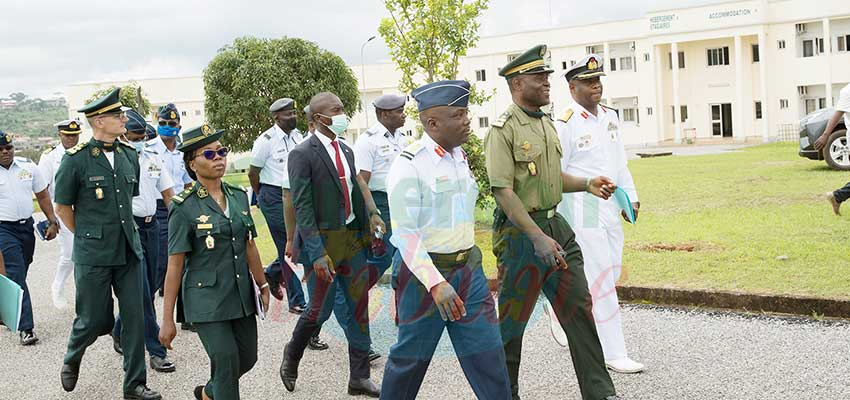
(162, 364)
(187, 326)
(317, 344)
(142, 392)
(614, 397)
(297, 310)
(69, 375)
(288, 370)
(358, 387)
(199, 392)
(373, 355)
(28, 338)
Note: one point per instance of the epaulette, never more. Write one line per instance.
(410, 151)
(127, 145)
(267, 135)
(179, 198)
(24, 160)
(236, 187)
(567, 115)
(500, 122)
(150, 149)
(75, 149)
(48, 150)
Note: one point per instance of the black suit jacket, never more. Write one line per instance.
(317, 195)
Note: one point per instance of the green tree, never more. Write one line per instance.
(426, 39)
(132, 96)
(247, 76)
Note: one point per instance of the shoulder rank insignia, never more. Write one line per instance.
(500, 122)
(180, 198)
(410, 151)
(49, 149)
(567, 115)
(267, 135)
(75, 149)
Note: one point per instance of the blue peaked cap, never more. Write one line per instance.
(135, 121)
(442, 93)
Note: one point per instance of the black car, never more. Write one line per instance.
(836, 153)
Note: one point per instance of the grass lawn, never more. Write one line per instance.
(755, 220)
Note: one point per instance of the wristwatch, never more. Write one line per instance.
(376, 211)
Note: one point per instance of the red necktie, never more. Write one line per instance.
(341, 170)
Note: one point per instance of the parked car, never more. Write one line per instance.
(836, 153)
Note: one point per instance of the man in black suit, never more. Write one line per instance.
(331, 204)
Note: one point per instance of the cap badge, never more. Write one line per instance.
(592, 64)
(206, 130)
(173, 115)
(72, 125)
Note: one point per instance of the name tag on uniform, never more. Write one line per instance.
(154, 171)
(204, 226)
(584, 142)
(95, 178)
(443, 184)
(25, 176)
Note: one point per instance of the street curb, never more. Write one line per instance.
(794, 305)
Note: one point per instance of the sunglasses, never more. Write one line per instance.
(172, 123)
(119, 115)
(210, 154)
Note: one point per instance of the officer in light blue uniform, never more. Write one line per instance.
(165, 143)
(153, 182)
(268, 177)
(441, 283)
(19, 179)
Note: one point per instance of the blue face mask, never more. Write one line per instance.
(339, 123)
(138, 146)
(167, 131)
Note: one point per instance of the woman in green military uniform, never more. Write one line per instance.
(212, 261)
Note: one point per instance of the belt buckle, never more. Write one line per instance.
(550, 213)
(461, 255)
(148, 219)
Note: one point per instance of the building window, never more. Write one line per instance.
(683, 110)
(681, 60)
(629, 115)
(183, 113)
(811, 105)
(780, 44)
(483, 122)
(819, 47)
(197, 113)
(718, 56)
(758, 110)
(844, 43)
(597, 49)
(626, 64)
(756, 55)
(646, 57)
(563, 65)
(808, 48)
(783, 103)
(649, 111)
(612, 66)
(572, 62)
(480, 75)
(821, 103)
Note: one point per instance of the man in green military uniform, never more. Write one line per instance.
(535, 248)
(95, 185)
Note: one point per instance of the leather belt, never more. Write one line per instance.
(548, 214)
(18, 222)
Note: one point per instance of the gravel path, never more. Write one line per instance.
(689, 353)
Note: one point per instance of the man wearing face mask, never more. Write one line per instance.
(69, 136)
(152, 182)
(268, 178)
(335, 217)
(165, 144)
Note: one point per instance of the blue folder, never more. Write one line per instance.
(625, 204)
(11, 299)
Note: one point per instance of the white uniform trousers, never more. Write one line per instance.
(65, 267)
(599, 233)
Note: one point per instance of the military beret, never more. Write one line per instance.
(5, 138)
(530, 62)
(109, 103)
(442, 93)
(69, 127)
(168, 111)
(389, 102)
(588, 67)
(198, 137)
(282, 105)
(135, 122)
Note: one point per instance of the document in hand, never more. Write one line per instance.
(258, 301)
(624, 203)
(11, 299)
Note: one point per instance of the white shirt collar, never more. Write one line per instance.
(326, 141)
(583, 113)
(437, 152)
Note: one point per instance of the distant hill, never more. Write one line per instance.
(21, 115)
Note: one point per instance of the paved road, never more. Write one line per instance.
(688, 150)
(691, 354)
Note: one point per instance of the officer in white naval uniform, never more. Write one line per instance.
(69, 136)
(592, 145)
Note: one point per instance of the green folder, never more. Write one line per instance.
(11, 300)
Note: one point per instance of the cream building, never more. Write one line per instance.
(739, 70)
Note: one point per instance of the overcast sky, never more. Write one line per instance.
(47, 44)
